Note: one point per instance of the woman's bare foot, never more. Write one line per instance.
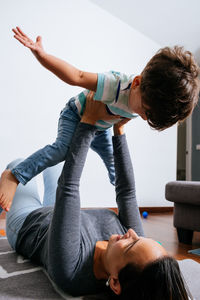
(8, 186)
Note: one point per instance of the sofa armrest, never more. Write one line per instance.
(183, 192)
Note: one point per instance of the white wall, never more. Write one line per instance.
(31, 97)
(168, 23)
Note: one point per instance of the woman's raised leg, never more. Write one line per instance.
(26, 200)
(50, 177)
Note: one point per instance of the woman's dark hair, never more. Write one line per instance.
(169, 87)
(159, 280)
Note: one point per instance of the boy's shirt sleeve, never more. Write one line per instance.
(108, 87)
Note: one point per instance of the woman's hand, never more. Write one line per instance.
(36, 47)
(95, 110)
(118, 128)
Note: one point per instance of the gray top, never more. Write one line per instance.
(63, 238)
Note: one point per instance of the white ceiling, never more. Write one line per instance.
(173, 22)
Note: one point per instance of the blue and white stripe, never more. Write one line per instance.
(113, 89)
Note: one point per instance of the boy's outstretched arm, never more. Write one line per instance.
(60, 68)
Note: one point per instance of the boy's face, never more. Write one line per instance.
(135, 99)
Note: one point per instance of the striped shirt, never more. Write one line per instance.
(113, 89)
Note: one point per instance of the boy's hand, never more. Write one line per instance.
(36, 47)
(95, 110)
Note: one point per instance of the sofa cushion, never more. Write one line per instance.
(183, 192)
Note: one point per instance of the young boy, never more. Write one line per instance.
(164, 93)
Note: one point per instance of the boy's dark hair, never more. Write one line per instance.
(161, 279)
(169, 87)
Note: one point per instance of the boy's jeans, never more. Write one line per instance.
(51, 155)
(27, 199)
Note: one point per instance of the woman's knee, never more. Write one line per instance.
(14, 223)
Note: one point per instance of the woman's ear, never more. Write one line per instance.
(115, 285)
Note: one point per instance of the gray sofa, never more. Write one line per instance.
(186, 198)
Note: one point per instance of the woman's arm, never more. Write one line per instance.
(60, 68)
(64, 231)
(125, 183)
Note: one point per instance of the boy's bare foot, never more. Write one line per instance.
(8, 185)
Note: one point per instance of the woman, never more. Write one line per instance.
(84, 251)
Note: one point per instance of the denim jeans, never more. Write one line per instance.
(27, 199)
(51, 155)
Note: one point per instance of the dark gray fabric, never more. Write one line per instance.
(63, 240)
(186, 198)
(187, 216)
(183, 192)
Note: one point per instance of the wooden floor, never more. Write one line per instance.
(158, 226)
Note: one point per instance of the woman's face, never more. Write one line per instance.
(130, 248)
